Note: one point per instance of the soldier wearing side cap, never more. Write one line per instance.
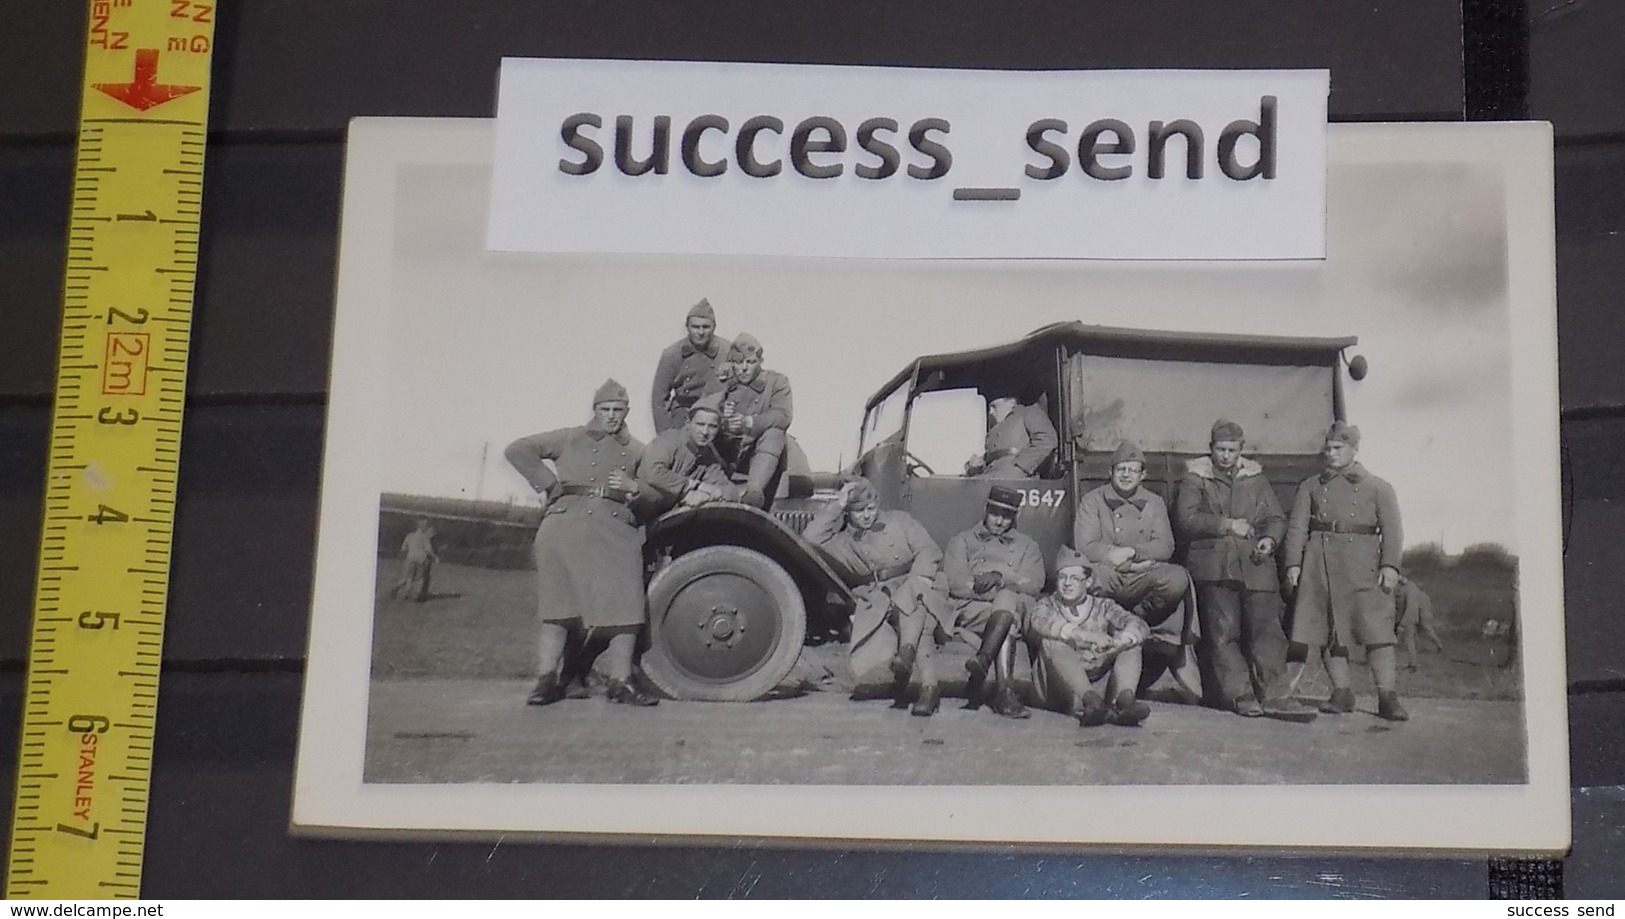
(891, 562)
(589, 547)
(1342, 552)
(991, 574)
(1123, 529)
(688, 369)
(756, 414)
(683, 466)
(1232, 523)
(1087, 649)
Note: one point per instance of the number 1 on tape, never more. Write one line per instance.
(84, 769)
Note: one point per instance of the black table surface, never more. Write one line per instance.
(288, 76)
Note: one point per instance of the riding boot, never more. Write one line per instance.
(993, 640)
(763, 465)
(1004, 700)
(902, 670)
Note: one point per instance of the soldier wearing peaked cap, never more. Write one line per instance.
(589, 547)
(756, 413)
(991, 574)
(1342, 552)
(688, 368)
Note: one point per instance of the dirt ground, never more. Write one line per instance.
(480, 731)
(450, 676)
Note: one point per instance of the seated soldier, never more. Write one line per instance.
(991, 573)
(682, 465)
(1123, 530)
(891, 563)
(756, 413)
(1084, 646)
(1019, 441)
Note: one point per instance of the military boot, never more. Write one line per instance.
(628, 693)
(902, 670)
(1127, 710)
(1340, 703)
(1389, 709)
(930, 698)
(763, 466)
(1090, 710)
(547, 691)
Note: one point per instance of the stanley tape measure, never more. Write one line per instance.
(84, 769)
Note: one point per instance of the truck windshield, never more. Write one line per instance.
(1170, 405)
(885, 420)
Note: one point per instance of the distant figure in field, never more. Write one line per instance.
(1413, 612)
(418, 550)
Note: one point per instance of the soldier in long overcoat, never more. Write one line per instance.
(891, 563)
(1342, 552)
(589, 547)
(756, 414)
(1231, 522)
(688, 369)
(683, 465)
(991, 574)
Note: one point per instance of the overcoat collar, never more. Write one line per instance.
(710, 350)
(1115, 501)
(1354, 472)
(1202, 466)
(595, 429)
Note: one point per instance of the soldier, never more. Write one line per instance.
(1086, 645)
(688, 369)
(1124, 532)
(1343, 544)
(991, 574)
(1019, 441)
(1413, 612)
(682, 465)
(892, 562)
(756, 412)
(418, 548)
(1229, 516)
(589, 548)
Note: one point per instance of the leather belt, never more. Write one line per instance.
(594, 491)
(895, 571)
(1335, 526)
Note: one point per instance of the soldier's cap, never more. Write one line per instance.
(1069, 557)
(1225, 429)
(1004, 499)
(864, 492)
(711, 402)
(1127, 452)
(1344, 432)
(611, 391)
(745, 345)
(703, 310)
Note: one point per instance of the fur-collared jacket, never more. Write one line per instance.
(1208, 499)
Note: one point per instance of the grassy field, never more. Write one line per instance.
(480, 624)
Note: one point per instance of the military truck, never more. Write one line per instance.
(736, 592)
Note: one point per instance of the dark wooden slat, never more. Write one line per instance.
(1591, 871)
(1577, 67)
(221, 797)
(244, 530)
(1590, 324)
(295, 65)
(263, 318)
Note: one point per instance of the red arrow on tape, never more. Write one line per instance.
(144, 91)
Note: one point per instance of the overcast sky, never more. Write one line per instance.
(488, 348)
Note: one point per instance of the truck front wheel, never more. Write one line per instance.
(726, 624)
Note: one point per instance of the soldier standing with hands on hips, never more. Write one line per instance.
(589, 547)
(1342, 552)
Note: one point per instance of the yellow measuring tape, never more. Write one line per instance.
(79, 827)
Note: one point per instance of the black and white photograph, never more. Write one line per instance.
(1117, 552)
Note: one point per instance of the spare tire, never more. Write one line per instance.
(726, 624)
